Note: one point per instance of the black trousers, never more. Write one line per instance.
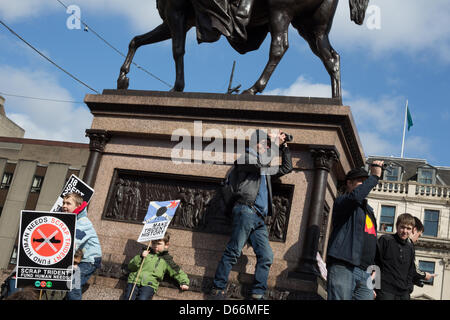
(384, 295)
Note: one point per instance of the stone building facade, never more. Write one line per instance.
(423, 190)
(32, 174)
(8, 128)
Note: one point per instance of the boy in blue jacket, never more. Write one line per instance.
(86, 239)
(353, 240)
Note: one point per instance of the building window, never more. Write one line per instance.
(431, 223)
(427, 266)
(13, 258)
(425, 176)
(387, 218)
(392, 174)
(6, 180)
(37, 184)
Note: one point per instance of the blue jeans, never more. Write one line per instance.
(12, 287)
(139, 292)
(345, 282)
(85, 271)
(247, 226)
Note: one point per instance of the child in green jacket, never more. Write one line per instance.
(157, 262)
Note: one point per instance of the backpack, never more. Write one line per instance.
(228, 189)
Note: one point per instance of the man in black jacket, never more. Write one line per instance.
(395, 257)
(253, 205)
(353, 239)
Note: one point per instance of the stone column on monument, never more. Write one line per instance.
(98, 141)
(324, 157)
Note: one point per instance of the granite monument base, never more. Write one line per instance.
(157, 146)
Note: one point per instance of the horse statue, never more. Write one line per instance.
(213, 18)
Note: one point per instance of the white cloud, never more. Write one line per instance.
(375, 143)
(408, 26)
(303, 88)
(43, 119)
(379, 122)
(13, 10)
(418, 147)
(385, 113)
(142, 14)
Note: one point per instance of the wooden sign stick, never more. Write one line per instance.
(139, 272)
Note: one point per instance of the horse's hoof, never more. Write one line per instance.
(176, 89)
(249, 91)
(123, 82)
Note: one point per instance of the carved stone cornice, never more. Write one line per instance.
(98, 139)
(324, 157)
(434, 245)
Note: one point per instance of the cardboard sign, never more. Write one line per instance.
(74, 184)
(157, 219)
(46, 249)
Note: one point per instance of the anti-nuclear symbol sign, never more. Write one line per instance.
(46, 240)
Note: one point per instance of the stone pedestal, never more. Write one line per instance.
(141, 154)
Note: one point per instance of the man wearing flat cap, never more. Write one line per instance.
(353, 239)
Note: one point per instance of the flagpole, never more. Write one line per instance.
(404, 129)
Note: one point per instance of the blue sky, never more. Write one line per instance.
(402, 52)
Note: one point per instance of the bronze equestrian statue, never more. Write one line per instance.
(245, 24)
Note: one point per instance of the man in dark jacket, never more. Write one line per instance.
(253, 205)
(353, 239)
(395, 257)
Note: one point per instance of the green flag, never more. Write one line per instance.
(410, 122)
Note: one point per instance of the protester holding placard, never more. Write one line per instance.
(86, 239)
(148, 269)
(73, 185)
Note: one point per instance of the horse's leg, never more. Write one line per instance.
(279, 23)
(160, 33)
(315, 32)
(177, 21)
(332, 62)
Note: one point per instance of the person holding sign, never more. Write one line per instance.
(86, 239)
(148, 269)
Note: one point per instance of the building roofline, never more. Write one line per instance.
(408, 160)
(397, 158)
(45, 142)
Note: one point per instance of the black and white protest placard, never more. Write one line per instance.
(76, 185)
(46, 249)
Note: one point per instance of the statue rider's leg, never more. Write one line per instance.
(244, 10)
